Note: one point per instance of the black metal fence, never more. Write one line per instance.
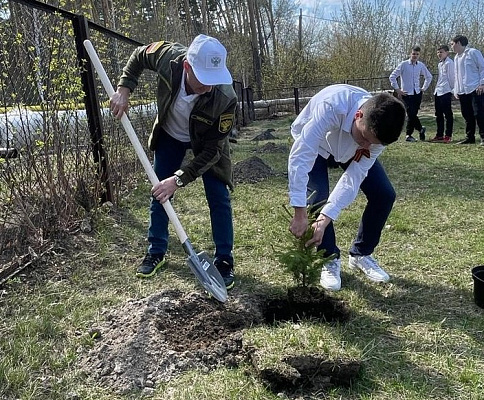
(62, 152)
(382, 83)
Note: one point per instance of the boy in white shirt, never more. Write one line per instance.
(409, 72)
(443, 96)
(347, 125)
(469, 87)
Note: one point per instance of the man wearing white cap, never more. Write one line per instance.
(196, 105)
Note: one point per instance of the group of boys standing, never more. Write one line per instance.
(461, 77)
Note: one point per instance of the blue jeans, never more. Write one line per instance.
(380, 195)
(168, 158)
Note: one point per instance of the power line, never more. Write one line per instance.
(321, 18)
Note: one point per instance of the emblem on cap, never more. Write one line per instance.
(216, 61)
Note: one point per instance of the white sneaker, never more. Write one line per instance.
(370, 267)
(331, 275)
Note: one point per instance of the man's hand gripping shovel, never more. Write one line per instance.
(200, 264)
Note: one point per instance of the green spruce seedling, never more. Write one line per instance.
(304, 263)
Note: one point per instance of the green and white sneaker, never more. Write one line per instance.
(151, 263)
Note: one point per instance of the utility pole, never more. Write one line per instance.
(204, 18)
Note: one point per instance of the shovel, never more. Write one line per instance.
(200, 264)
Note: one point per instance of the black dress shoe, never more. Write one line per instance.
(422, 134)
(467, 141)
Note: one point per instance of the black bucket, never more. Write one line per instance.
(478, 276)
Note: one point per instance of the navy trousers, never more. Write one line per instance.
(168, 158)
(380, 195)
(412, 105)
(472, 109)
(444, 116)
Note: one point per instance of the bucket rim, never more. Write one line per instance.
(475, 270)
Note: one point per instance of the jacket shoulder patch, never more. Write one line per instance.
(226, 122)
(153, 47)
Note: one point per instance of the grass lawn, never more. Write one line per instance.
(419, 337)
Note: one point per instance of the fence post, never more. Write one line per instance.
(242, 102)
(296, 100)
(91, 101)
(250, 103)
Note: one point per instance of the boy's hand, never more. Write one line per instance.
(319, 227)
(299, 223)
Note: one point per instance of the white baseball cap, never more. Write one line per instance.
(207, 57)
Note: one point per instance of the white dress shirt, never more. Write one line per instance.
(445, 82)
(469, 71)
(409, 74)
(322, 128)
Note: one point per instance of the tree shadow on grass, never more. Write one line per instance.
(413, 324)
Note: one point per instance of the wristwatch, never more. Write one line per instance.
(178, 180)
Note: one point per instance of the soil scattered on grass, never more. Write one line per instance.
(271, 147)
(310, 373)
(157, 338)
(266, 135)
(252, 170)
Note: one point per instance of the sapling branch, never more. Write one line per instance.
(304, 263)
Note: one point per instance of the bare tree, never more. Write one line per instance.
(358, 45)
(204, 17)
(256, 58)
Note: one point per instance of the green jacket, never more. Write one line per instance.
(212, 117)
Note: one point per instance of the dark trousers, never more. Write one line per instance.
(412, 104)
(443, 113)
(380, 195)
(169, 155)
(472, 109)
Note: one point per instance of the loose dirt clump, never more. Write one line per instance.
(155, 339)
(252, 170)
(266, 135)
(271, 147)
(313, 373)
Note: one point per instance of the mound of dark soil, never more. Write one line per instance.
(252, 170)
(155, 339)
(266, 135)
(271, 147)
(310, 372)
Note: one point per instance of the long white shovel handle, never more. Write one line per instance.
(134, 140)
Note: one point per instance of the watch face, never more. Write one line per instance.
(178, 181)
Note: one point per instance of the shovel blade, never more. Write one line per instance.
(208, 275)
